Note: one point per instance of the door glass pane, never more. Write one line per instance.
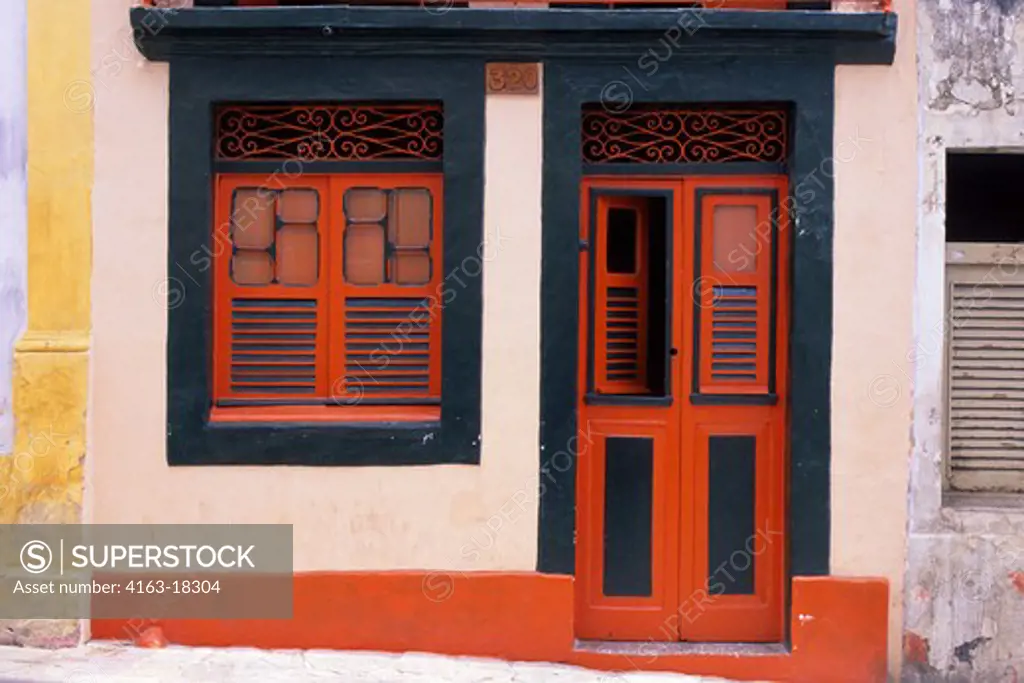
(409, 220)
(364, 254)
(251, 267)
(735, 238)
(252, 218)
(298, 206)
(365, 205)
(298, 255)
(620, 256)
(411, 267)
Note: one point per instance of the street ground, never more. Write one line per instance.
(110, 663)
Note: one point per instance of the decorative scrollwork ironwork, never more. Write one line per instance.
(331, 132)
(677, 135)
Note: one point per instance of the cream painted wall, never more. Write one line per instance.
(440, 517)
(876, 175)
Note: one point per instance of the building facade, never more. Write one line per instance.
(556, 332)
(963, 618)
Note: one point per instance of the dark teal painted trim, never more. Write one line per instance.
(732, 527)
(197, 85)
(628, 506)
(731, 168)
(350, 167)
(856, 38)
(807, 85)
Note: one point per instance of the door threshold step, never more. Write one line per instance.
(647, 648)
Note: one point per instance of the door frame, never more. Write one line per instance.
(807, 88)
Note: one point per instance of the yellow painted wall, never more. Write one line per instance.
(51, 358)
(42, 481)
(875, 216)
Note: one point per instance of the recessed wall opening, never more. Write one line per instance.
(984, 316)
(983, 192)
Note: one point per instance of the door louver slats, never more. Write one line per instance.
(623, 343)
(734, 347)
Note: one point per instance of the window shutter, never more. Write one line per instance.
(734, 292)
(270, 329)
(388, 326)
(985, 367)
(620, 296)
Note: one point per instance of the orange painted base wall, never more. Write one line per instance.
(838, 626)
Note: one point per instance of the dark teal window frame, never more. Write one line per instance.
(197, 86)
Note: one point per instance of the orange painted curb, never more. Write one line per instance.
(838, 625)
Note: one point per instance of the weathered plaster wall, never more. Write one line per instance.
(42, 481)
(964, 598)
(464, 518)
(874, 164)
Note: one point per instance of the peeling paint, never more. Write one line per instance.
(915, 648)
(973, 54)
(965, 651)
(1017, 579)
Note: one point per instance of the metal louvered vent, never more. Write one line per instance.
(734, 334)
(623, 338)
(387, 347)
(985, 389)
(273, 346)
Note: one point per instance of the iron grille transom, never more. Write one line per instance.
(659, 134)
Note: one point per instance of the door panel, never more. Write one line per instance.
(625, 553)
(682, 410)
(733, 425)
(738, 541)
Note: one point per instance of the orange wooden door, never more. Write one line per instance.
(680, 496)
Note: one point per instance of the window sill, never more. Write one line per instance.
(983, 502)
(337, 415)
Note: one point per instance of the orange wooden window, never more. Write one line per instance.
(327, 295)
(620, 296)
(735, 291)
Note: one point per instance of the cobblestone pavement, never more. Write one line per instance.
(108, 663)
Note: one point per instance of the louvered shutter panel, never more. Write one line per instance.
(735, 290)
(620, 297)
(985, 367)
(389, 331)
(270, 327)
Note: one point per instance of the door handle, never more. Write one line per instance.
(673, 352)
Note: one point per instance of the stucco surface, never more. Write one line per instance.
(452, 517)
(475, 518)
(965, 587)
(41, 481)
(875, 168)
